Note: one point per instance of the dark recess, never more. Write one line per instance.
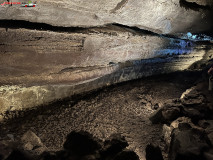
(193, 6)
(15, 24)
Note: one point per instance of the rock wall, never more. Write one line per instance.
(61, 48)
(160, 16)
(39, 67)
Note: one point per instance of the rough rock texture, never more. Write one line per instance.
(190, 137)
(115, 109)
(192, 104)
(162, 16)
(80, 146)
(153, 153)
(38, 67)
(187, 143)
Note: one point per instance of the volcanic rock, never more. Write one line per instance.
(31, 142)
(187, 143)
(160, 16)
(153, 153)
(126, 155)
(81, 143)
(167, 113)
(113, 145)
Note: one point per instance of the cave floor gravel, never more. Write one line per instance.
(123, 108)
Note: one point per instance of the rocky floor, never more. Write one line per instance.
(124, 108)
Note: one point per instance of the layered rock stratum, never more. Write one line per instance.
(161, 16)
(61, 48)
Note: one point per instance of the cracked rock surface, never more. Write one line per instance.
(160, 16)
(43, 65)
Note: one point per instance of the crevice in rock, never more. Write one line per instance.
(17, 24)
(193, 6)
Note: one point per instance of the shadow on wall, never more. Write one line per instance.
(193, 6)
(207, 14)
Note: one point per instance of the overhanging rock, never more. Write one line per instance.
(39, 67)
(159, 16)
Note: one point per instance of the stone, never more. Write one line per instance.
(192, 97)
(31, 142)
(126, 155)
(83, 146)
(149, 15)
(89, 157)
(167, 130)
(208, 154)
(156, 106)
(176, 123)
(187, 143)
(113, 145)
(167, 113)
(19, 155)
(153, 153)
(170, 114)
(39, 150)
(1, 118)
(210, 137)
(28, 146)
(48, 156)
(7, 147)
(11, 136)
(207, 125)
(81, 143)
(192, 113)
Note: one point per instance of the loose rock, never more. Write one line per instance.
(153, 153)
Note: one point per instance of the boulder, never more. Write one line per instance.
(192, 97)
(181, 122)
(113, 145)
(167, 113)
(192, 113)
(126, 155)
(81, 143)
(208, 154)
(207, 125)
(31, 142)
(19, 155)
(187, 143)
(153, 153)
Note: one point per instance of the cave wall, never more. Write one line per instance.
(39, 67)
(160, 16)
(61, 48)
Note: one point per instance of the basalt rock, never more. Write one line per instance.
(160, 16)
(153, 153)
(31, 142)
(167, 113)
(187, 143)
(83, 146)
(81, 143)
(126, 155)
(113, 145)
(42, 66)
